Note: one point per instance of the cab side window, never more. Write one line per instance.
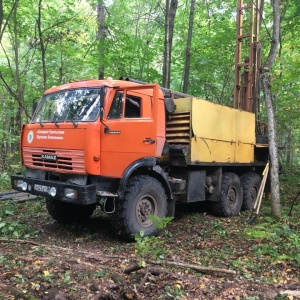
(132, 107)
(116, 108)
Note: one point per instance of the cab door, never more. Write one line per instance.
(129, 133)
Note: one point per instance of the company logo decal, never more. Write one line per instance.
(49, 157)
(50, 134)
(30, 137)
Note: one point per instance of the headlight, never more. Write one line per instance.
(52, 192)
(70, 193)
(18, 183)
(24, 186)
(21, 184)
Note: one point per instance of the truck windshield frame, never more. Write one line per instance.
(74, 105)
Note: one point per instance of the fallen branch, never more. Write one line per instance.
(199, 268)
(133, 268)
(144, 279)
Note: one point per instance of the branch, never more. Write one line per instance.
(7, 19)
(199, 268)
(144, 278)
(59, 23)
(8, 87)
(14, 95)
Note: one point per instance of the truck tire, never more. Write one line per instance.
(230, 201)
(250, 183)
(66, 213)
(143, 196)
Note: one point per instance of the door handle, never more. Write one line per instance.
(148, 141)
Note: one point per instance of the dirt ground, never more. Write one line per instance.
(41, 259)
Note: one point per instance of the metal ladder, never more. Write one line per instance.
(247, 56)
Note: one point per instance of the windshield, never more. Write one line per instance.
(69, 106)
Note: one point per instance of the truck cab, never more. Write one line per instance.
(86, 139)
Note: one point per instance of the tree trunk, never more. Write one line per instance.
(171, 8)
(186, 74)
(101, 37)
(20, 86)
(42, 45)
(1, 18)
(266, 84)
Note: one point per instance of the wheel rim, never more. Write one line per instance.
(146, 206)
(232, 197)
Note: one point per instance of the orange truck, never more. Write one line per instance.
(136, 151)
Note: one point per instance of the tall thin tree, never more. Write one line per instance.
(266, 85)
(186, 73)
(101, 37)
(42, 44)
(171, 8)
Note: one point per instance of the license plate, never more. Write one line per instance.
(41, 188)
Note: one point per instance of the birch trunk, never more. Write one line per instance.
(266, 84)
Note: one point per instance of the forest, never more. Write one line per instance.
(47, 43)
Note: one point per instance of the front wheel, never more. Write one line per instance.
(143, 196)
(67, 213)
(230, 201)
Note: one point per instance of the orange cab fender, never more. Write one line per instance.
(145, 166)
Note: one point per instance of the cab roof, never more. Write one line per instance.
(93, 83)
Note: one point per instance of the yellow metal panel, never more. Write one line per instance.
(183, 104)
(206, 150)
(221, 134)
(244, 153)
(213, 121)
(245, 127)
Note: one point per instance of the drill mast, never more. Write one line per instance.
(247, 56)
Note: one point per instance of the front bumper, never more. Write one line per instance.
(84, 194)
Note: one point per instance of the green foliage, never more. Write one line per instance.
(151, 247)
(279, 241)
(160, 223)
(5, 181)
(100, 273)
(10, 226)
(172, 292)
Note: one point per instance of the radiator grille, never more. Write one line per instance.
(68, 161)
(178, 129)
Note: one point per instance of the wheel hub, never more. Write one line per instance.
(146, 206)
(232, 197)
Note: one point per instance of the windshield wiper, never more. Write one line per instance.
(40, 121)
(74, 123)
(56, 117)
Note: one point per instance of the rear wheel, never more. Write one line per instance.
(143, 196)
(230, 201)
(67, 213)
(251, 183)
